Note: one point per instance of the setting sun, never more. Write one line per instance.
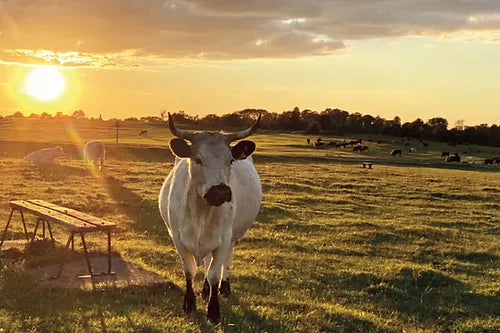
(44, 83)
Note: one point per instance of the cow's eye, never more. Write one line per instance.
(231, 162)
(198, 161)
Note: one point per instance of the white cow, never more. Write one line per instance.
(209, 200)
(94, 151)
(45, 155)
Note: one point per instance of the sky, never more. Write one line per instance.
(133, 58)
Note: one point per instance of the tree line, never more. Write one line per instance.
(330, 121)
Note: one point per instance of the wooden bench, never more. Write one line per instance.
(365, 164)
(75, 221)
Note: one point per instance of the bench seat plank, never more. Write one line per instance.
(99, 223)
(54, 216)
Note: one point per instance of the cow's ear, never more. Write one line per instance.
(243, 149)
(180, 148)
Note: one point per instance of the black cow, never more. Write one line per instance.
(319, 144)
(453, 158)
(143, 132)
(395, 152)
(308, 141)
(425, 144)
(488, 161)
(445, 153)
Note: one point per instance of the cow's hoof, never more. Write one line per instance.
(189, 302)
(213, 313)
(206, 290)
(225, 288)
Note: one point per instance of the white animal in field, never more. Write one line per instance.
(46, 155)
(94, 151)
(413, 150)
(468, 159)
(208, 201)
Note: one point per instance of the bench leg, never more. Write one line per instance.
(61, 265)
(50, 231)
(86, 254)
(109, 252)
(73, 242)
(36, 229)
(43, 229)
(24, 225)
(6, 227)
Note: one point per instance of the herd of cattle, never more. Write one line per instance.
(358, 146)
(92, 151)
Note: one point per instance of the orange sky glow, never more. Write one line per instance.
(127, 58)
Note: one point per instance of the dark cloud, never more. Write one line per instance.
(224, 29)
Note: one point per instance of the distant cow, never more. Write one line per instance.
(445, 153)
(496, 160)
(395, 152)
(357, 147)
(453, 158)
(94, 151)
(488, 161)
(308, 141)
(45, 155)
(425, 144)
(143, 132)
(319, 144)
(413, 150)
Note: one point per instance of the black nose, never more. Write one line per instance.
(218, 194)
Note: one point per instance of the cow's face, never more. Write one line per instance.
(211, 159)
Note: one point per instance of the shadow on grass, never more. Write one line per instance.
(429, 295)
(143, 212)
(51, 309)
(52, 171)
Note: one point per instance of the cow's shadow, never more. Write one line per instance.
(143, 213)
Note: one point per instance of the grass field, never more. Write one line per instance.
(408, 247)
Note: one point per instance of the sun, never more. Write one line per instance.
(44, 83)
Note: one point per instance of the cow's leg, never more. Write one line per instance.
(225, 289)
(189, 272)
(219, 256)
(206, 287)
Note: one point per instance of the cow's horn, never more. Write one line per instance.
(186, 135)
(243, 134)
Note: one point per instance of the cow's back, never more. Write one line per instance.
(94, 150)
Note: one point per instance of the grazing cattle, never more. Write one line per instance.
(357, 147)
(468, 159)
(143, 132)
(453, 158)
(425, 144)
(395, 152)
(319, 144)
(445, 153)
(308, 141)
(94, 151)
(496, 160)
(488, 161)
(46, 155)
(208, 201)
(413, 150)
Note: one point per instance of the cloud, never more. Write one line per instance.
(97, 33)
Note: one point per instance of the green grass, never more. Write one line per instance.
(335, 248)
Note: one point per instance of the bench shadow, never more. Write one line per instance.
(143, 213)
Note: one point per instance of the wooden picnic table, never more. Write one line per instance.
(75, 221)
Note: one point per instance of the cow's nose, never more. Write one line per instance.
(218, 194)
